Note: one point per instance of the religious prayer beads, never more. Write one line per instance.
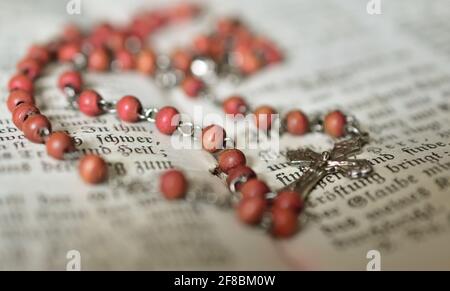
(231, 49)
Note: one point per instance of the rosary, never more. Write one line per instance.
(231, 49)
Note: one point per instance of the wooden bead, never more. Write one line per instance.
(244, 38)
(173, 184)
(22, 112)
(53, 47)
(250, 63)
(18, 97)
(125, 60)
(213, 138)
(243, 47)
(98, 60)
(129, 108)
(235, 105)
(117, 40)
(39, 53)
(30, 67)
(167, 120)
(183, 11)
(251, 210)
(89, 103)
(141, 26)
(297, 122)
(146, 62)
(254, 188)
(288, 200)
(202, 45)
(264, 117)
(59, 143)
(227, 25)
(21, 82)
(231, 158)
(181, 60)
(217, 48)
(284, 223)
(68, 52)
(268, 50)
(93, 169)
(334, 124)
(70, 79)
(238, 172)
(100, 34)
(192, 86)
(35, 128)
(72, 33)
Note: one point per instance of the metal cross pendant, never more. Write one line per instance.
(328, 162)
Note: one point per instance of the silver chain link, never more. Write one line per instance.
(108, 106)
(80, 62)
(187, 128)
(149, 114)
(72, 96)
(316, 123)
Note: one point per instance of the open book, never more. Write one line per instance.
(391, 70)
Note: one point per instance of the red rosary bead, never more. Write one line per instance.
(129, 108)
(35, 128)
(125, 60)
(117, 40)
(181, 60)
(284, 223)
(30, 67)
(146, 62)
(251, 210)
(192, 86)
(21, 82)
(264, 117)
(17, 97)
(167, 120)
(98, 60)
(288, 200)
(213, 138)
(100, 34)
(39, 53)
(72, 33)
(59, 143)
(297, 122)
(240, 172)
(93, 169)
(202, 45)
(52, 48)
(22, 112)
(217, 48)
(89, 103)
(269, 50)
(250, 63)
(68, 52)
(254, 188)
(235, 105)
(173, 184)
(231, 158)
(243, 38)
(334, 124)
(183, 11)
(141, 25)
(226, 26)
(70, 79)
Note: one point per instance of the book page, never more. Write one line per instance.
(389, 70)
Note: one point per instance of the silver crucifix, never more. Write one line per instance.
(328, 162)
